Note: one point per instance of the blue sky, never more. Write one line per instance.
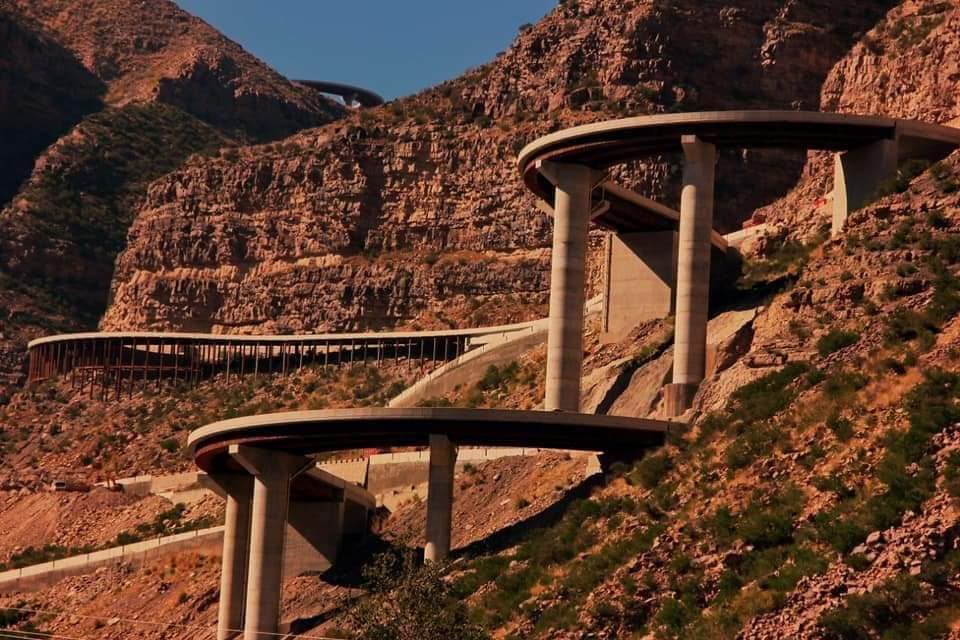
(393, 47)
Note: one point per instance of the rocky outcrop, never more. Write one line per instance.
(99, 99)
(415, 208)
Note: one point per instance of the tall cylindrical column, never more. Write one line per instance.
(236, 537)
(693, 266)
(443, 457)
(571, 218)
(267, 526)
(272, 471)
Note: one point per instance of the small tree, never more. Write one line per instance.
(409, 601)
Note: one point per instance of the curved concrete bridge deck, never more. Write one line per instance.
(309, 432)
(567, 171)
(349, 93)
(605, 144)
(260, 460)
(114, 363)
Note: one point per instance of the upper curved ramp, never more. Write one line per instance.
(604, 144)
(349, 93)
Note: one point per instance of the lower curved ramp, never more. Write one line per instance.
(307, 432)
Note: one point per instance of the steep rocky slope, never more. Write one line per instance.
(52, 432)
(416, 207)
(815, 492)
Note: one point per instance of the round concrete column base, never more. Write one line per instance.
(677, 398)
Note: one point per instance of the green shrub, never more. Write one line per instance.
(841, 427)
(906, 269)
(906, 172)
(10, 617)
(906, 325)
(648, 472)
(765, 397)
(766, 526)
(836, 340)
(841, 384)
(937, 220)
(888, 612)
(906, 470)
(893, 365)
(755, 441)
(951, 474)
(406, 599)
(496, 377)
(675, 615)
(833, 484)
(479, 573)
(722, 526)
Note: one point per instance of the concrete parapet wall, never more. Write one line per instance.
(148, 484)
(43, 575)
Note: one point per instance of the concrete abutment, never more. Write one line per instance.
(858, 175)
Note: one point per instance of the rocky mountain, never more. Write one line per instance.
(815, 491)
(155, 52)
(903, 67)
(415, 209)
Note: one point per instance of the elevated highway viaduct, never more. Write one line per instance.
(111, 365)
(567, 171)
(259, 461)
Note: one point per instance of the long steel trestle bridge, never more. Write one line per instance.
(114, 364)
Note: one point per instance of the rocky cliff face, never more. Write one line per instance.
(415, 209)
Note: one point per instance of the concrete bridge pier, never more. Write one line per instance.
(239, 492)
(693, 274)
(272, 472)
(443, 457)
(857, 176)
(639, 280)
(571, 219)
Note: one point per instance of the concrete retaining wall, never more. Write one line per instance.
(495, 349)
(472, 365)
(353, 470)
(43, 575)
